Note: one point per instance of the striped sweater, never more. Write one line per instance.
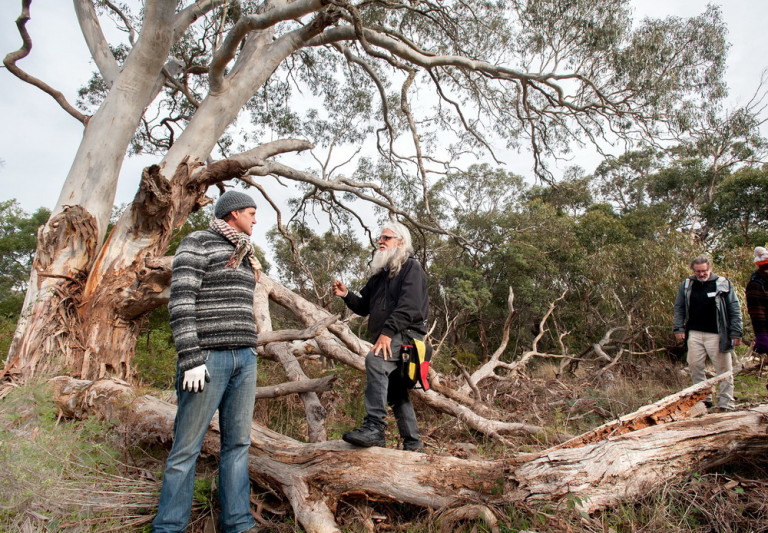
(211, 306)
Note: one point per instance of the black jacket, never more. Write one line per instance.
(393, 304)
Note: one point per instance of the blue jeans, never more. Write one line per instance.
(232, 390)
(384, 386)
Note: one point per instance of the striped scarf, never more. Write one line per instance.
(242, 244)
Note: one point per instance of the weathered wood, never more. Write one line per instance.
(316, 477)
(313, 408)
(297, 387)
(617, 469)
(679, 406)
(284, 335)
(313, 477)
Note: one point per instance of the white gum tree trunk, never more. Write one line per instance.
(116, 290)
(81, 311)
(49, 335)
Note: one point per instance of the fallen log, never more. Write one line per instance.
(315, 477)
(679, 406)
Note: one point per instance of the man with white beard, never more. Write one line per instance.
(395, 300)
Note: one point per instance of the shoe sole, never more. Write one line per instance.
(365, 444)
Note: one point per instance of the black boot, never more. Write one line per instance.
(413, 445)
(366, 436)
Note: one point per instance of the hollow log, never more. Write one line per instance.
(315, 477)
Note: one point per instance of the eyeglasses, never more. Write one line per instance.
(385, 237)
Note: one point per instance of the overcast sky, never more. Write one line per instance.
(38, 139)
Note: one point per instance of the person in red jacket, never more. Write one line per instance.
(757, 300)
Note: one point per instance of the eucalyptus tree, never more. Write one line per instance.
(422, 85)
(738, 213)
(308, 263)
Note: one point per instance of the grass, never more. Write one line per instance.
(65, 476)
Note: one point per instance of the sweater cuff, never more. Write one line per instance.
(191, 361)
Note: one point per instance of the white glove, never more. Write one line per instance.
(196, 378)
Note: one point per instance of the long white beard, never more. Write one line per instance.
(388, 259)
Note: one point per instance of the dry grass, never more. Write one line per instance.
(63, 476)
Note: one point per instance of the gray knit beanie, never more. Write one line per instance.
(232, 201)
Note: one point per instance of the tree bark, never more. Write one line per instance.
(75, 316)
(316, 477)
(323, 384)
(68, 243)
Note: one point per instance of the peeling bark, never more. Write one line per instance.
(679, 406)
(130, 276)
(48, 336)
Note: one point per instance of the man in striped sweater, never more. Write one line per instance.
(211, 309)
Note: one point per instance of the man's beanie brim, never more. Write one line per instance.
(232, 201)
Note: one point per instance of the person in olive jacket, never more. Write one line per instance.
(395, 300)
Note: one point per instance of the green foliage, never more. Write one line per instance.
(623, 181)
(204, 493)
(196, 221)
(18, 237)
(682, 186)
(155, 358)
(619, 268)
(571, 195)
(750, 388)
(600, 227)
(7, 327)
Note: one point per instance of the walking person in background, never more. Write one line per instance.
(757, 300)
(707, 312)
(211, 308)
(394, 299)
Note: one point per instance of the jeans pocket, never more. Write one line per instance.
(254, 352)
